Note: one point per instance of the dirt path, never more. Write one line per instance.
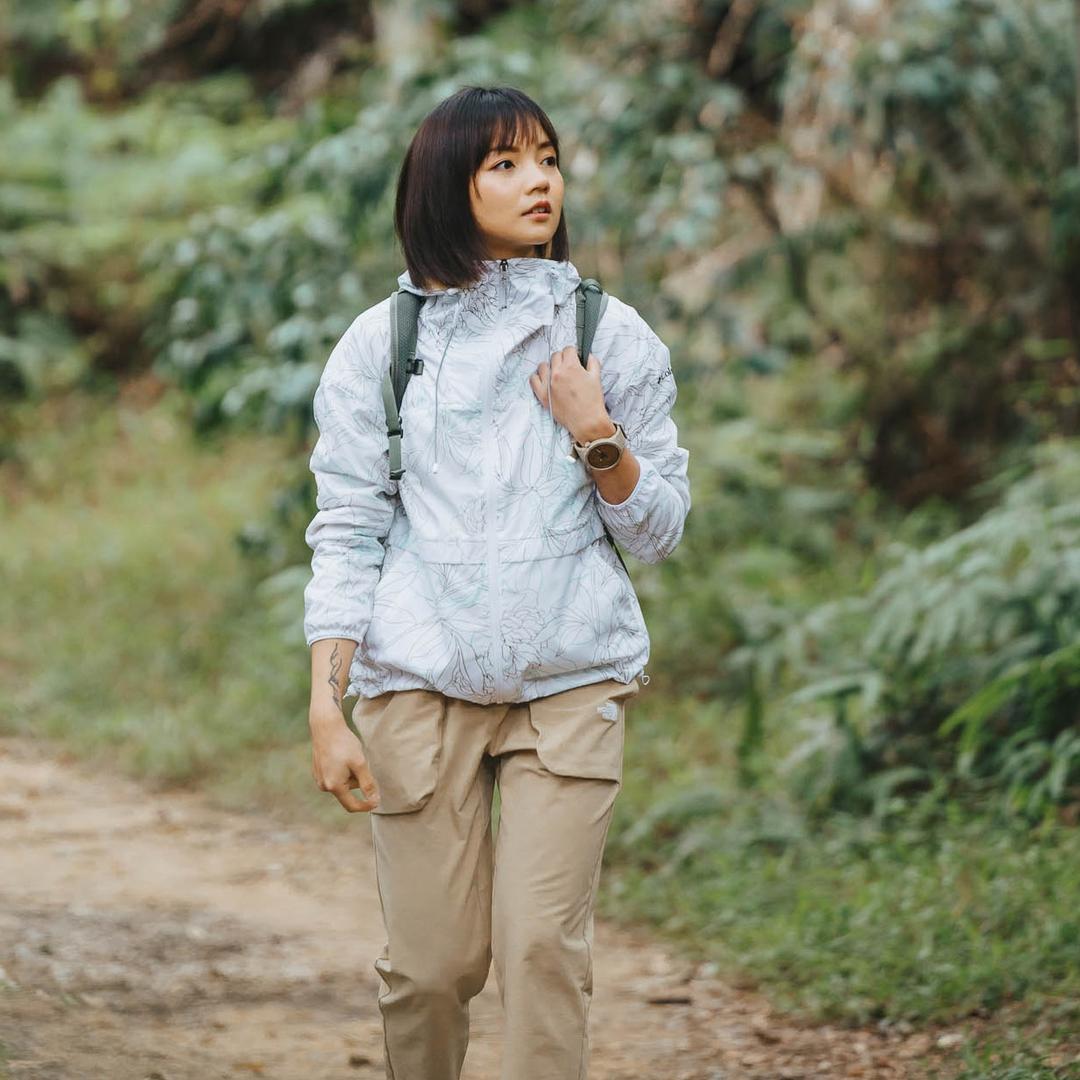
(146, 936)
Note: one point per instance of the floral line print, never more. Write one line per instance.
(489, 580)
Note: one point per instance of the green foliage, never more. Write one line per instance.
(853, 918)
(961, 656)
(119, 47)
(856, 226)
(884, 221)
(250, 330)
(132, 624)
(853, 225)
(182, 663)
(253, 299)
(74, 301)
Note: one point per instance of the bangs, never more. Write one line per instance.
(433, 215)
(513, 124)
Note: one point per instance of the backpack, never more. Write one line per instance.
(404, 363)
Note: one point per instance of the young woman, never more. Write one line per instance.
(475, 604)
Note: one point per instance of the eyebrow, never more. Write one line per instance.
(514, 148)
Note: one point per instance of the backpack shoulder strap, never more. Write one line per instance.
(404, 314)
(591, 301)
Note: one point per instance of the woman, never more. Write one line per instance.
(475, 604)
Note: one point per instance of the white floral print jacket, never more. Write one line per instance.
(484, 572)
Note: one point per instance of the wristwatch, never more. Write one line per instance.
(604, 453)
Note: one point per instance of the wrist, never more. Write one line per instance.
(323, 716)
(599, 428)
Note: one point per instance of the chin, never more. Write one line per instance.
(540, 237)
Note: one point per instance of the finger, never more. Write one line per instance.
(351, 802)
(539, 389)
(564, 369)
(360, 777)
(593, 366)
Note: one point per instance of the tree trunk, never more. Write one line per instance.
(408, 36)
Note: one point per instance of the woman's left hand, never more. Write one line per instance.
(577, 396)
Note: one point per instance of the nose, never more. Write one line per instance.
(541, 181)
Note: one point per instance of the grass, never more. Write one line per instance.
(130, 625)
(999, 1058)
(943, 916)
(851, 926)
(133, 630)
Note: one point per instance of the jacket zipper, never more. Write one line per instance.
(492, 516)
(491, 523)
(495, 599)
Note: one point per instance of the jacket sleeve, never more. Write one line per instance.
(355, 497)
(649, 522)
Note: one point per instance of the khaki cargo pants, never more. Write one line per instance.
(452, 900)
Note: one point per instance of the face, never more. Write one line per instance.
(508, 182)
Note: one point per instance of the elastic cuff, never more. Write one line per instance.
(633, 509)
(343, 634)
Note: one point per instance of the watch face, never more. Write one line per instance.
(604, 456)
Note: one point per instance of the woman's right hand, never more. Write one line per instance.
(338, 763)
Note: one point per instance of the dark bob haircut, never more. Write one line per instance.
(433, 217)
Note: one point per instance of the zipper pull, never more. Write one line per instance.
(505, 269)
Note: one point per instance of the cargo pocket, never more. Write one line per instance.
(581, 732)
(401, 733)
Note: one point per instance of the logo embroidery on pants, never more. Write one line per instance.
(609, 710)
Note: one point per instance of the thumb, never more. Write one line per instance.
(593, 366)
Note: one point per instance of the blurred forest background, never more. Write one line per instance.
(855, 776)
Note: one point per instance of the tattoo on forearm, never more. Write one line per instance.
(335, 671)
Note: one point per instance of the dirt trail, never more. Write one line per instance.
(146, 936)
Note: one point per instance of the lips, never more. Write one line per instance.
(539, 206)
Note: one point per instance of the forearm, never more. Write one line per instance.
(644, 510)
(614, 484)
(645, 499)
(330, 662)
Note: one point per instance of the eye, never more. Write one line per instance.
(506, 161)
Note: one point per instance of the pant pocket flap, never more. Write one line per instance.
(581, 732)
(401, 733)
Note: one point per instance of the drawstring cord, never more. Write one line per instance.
(438, 376)
(571, 457)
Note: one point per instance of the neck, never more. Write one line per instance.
(511, 249)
